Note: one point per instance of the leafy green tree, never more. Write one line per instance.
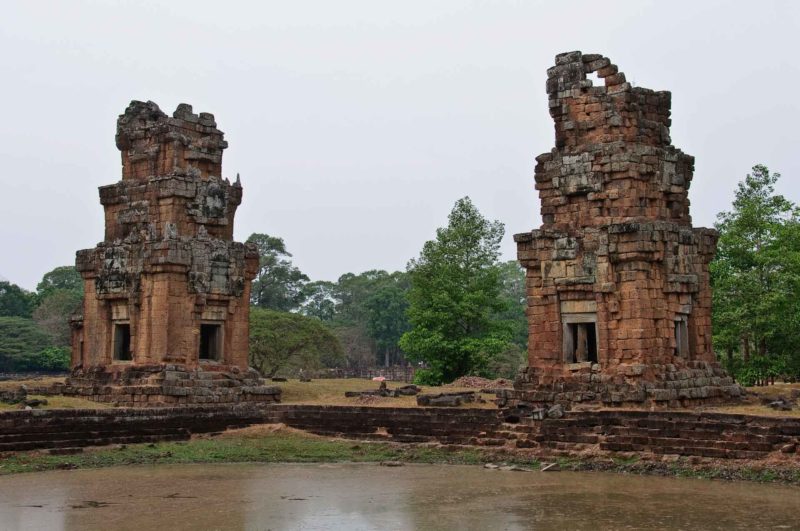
(64, 278)
(756, 279)
(20, 339)
(513, 292)
(354, 290)
(54, 312)
(366, 311)
(387, 321)
(290, 341)
(455, 299)
(15, 301)
(319, 300)
(278, 284)
(51, 359)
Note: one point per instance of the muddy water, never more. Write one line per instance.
(374, 497)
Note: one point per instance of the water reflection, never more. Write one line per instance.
(372, 497)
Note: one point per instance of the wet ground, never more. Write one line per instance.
(330, 496)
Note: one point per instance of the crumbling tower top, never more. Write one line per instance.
(613, 160)
(615, 111)
(153, 144)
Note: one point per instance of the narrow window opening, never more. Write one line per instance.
(582, 343)
(122, 342)
(210, 342)
(682, 338)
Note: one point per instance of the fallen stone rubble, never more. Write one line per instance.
(19, 396)
(166, 385)
(384, 391)
(448, 399)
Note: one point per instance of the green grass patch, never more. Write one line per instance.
(262, 444)
(272, 447)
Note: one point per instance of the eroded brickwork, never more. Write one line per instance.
(619, 301)
(167, 285)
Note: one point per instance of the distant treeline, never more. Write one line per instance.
(34, 327)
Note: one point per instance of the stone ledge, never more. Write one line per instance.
(701, 434)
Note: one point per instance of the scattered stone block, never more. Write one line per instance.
(446, 399)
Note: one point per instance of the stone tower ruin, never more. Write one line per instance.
(167, 291)
(619, 301)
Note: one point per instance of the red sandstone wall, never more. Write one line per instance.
(616, 239)
(168, 262)
(711, 435)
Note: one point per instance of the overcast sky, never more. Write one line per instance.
(356, 125)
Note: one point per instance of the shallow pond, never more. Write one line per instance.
(349, 496)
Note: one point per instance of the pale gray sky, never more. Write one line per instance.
(357, 125)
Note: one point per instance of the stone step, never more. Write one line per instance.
(87, 434)
(94, 441)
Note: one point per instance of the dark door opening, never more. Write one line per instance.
(682, 339)
(122, 342)
(583, 338)
(210, 342)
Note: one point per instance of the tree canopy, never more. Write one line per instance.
(20, 342)
(278, 284)
(366, 311)
(282, 341)
(756, 281)
(513, 292)
(15, 301)
(386, 320)
(41, 343)
(64, 278)
(54, 312)
(455, 301)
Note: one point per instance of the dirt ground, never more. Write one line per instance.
(331, 392)
(53, 402)
(315, 392)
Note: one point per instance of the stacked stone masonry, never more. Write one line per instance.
(167, 287)
(611, 432)
(76, 428)
(619, 301)
(167, 385)
(712, 435)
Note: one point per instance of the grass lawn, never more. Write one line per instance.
(53, 402)
(41, 381)
(753, 405)
(275, 444)
(262, 444)
(59, 402)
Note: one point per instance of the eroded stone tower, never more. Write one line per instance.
(619, 301)
(167, 290)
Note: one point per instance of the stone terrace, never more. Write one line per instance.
(612, 432)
